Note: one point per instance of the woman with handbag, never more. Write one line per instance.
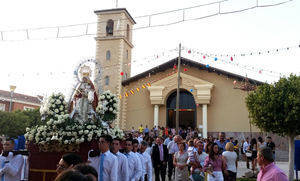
(253, 149)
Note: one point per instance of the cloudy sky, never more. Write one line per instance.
(45, 65)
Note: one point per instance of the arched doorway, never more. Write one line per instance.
(187, 110)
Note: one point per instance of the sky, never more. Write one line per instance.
(43, 66)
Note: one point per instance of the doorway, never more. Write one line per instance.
(187, 110)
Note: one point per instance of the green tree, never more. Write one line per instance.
(276, 108)
(13, 124)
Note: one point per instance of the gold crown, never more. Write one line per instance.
(85, 71)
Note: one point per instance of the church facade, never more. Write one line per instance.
(208, 100)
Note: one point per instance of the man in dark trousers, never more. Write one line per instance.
(159, 159)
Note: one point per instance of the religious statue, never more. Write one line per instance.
(85, 99)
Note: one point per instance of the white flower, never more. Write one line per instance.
(94, 126)
(108, 97)
(61, 108)
(89, 139)
(56, 110)
(58, 102)
(27, 129)
(86, 131)
(77, 141)
(30, 137)
(66, 142)
(80, 132)
(82, 140)
(53, 105)
(60, 97)
(110, 109)
(89, 127)
(47, 139)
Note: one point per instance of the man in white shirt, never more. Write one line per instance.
(245, 148)
(172, 148)
(134, 164)
(147, 161)
(140, 138)
(122, 160)
(10, 164)
(135, 147)
(106, 164)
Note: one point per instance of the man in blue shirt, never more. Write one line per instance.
(221, 142)
(146, 130)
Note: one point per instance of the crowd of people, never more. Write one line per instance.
(182, 157)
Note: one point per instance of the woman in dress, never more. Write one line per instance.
(231, 160)
(180, 163)
(253, 149)
(214, 164)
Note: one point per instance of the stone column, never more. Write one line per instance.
(156, 112)
(204, 113)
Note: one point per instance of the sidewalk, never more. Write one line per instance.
(242, 169)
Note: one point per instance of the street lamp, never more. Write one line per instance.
(12, 89)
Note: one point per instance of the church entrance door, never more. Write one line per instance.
(187, 110)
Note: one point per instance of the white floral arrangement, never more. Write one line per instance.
(54, 105)
(116, 132)
(61, 129)
(107, 107)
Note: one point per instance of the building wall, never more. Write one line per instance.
(109, 67)
(227, 111)
(21, 106)
(6, 103)
(17, 105)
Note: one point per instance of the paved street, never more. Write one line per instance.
(242, 168)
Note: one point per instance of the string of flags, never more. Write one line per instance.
(162, 57)
(230, 60)
(268, 51)
(135, 90)
(145, 85)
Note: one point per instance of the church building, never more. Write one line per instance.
(208, 100)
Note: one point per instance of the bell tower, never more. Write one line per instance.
(113, 48)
